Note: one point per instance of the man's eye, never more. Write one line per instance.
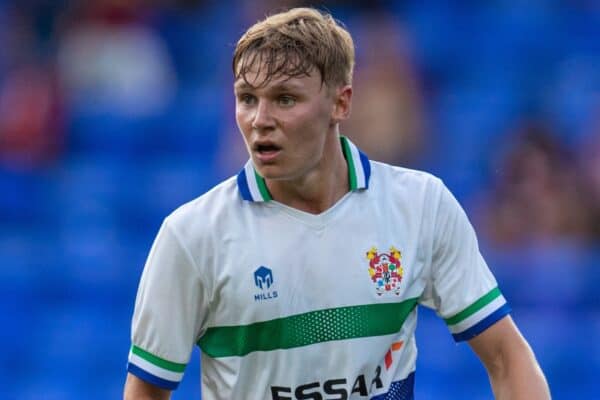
(247, 99)
(286, 100)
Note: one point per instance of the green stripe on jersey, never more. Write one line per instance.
(262, 187)
(473, 308)
(159, 362)
(350, 160)
(308, 328)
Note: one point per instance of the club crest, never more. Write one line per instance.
(385, 270)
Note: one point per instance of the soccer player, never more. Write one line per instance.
(300, 278)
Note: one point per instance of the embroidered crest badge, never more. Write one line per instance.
(385, 270)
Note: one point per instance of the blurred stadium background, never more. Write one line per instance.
(113, 113)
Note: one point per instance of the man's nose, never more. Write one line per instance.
(262, 116)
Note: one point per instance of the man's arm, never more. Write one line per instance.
(137, 389)
(511, 365)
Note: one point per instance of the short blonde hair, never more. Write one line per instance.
(293, 43)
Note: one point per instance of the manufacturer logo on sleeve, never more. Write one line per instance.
(263, 279)
(385, 270)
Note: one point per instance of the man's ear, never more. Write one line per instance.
(343, 103)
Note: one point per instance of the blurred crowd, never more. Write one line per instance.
(546, 191)
(114, 112)
(501, 99)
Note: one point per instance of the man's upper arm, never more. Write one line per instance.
(137, 389)
(168, 312)
(462, 289)
(498, 339)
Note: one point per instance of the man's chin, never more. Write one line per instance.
(273, 173)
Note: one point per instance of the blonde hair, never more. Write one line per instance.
(292, 44)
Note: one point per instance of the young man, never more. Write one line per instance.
(299, 278)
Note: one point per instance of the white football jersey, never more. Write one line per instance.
(286, 304)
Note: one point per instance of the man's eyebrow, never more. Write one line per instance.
(282, 86)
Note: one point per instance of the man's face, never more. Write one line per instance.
(285, 123)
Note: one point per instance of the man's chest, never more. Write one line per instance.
(277, 269)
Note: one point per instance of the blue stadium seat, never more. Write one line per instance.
(25, 196)
(159, 187)
(193, 124)
(80, 350)
(566, 355)
(112, 135)
(552, 276)
(190, 36)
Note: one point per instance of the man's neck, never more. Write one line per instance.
(320, 188)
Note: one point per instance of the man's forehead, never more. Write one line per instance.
(261, 68)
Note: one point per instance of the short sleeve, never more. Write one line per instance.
(461, 287)
(166, 320)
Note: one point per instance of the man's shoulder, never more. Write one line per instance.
(208, 206)
(386, 174)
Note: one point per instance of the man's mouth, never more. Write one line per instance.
(266, 152)
(266, 148)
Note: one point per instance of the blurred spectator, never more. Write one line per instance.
(539, 194)
(31, 104)
(30, 117)
(110, 60)
(387, 112)
(590, 171)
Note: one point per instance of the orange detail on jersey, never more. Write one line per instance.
(388, 355)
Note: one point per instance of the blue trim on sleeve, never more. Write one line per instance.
(399, 390)
(148, 377)
(366, 164)
(483, 324)
(243, 186)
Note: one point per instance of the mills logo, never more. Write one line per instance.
(385, 270)
(263, 279)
